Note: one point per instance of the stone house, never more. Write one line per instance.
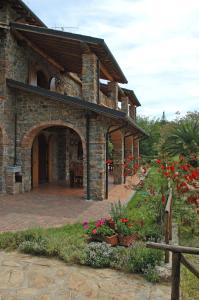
(56, 115)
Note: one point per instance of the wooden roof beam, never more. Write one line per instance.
(105, 72)
(39, 51)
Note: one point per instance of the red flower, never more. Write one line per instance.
(124, 220)
(195, 174)
(163, 199)
(130, 157)
(109, 161)
(94, 231)
(158, 161)
(162, 167)
(167, 174)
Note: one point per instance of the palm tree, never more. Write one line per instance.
(183, 139)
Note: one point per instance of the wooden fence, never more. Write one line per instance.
(168, 222)
(177, 259)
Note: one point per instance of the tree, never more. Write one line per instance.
(183, 138)
(149, 146)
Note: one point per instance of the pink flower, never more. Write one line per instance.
(94, 231)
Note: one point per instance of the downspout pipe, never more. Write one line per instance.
(88, 153)
(15, 133)
(107, 141)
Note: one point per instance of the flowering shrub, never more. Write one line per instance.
(98, 255)
(99, 228)
(118, 211)
(130, 165)
(183, 176)
(123, 227)
(142, 258)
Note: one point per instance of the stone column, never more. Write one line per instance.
(128, 147)
(90, 77)
(97, 161)
(132, 111)
(136, 150)
(113, 92)
(26, 169)
(118, 156)
(125, 104)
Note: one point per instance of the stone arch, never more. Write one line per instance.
(27, 142)
(28, 138)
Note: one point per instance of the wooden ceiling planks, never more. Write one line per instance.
(67, 49)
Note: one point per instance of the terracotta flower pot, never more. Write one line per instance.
(127, 240)
(112, 240)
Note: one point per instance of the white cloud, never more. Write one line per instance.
(155, 42)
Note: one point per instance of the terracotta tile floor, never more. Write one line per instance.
(53, 205)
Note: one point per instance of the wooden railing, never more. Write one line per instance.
(177, 258)
(168, 222)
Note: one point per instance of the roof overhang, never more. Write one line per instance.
(132, 96)
(131, 126)
(24, 12)
(67, 49)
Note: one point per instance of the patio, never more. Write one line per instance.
(53, 205)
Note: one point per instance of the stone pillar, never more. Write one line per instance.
(26, 169)
(125, 104)
(118, 156)
(132, 111)
(128, 147)
(67, 165)
(90, 77)
(97, 161)
(136, 150)
(113, 92)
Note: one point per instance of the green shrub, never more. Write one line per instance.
(151, 233)
(36, 247)
(151, 275)
(119, 258)
(98, 255)
(142, 258)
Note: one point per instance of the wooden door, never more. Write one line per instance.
(43, 159)
(35, 163)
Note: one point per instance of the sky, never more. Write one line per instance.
(155, 42)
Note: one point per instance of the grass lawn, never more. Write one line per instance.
(66, 243)
(189, 282)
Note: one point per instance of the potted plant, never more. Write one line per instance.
(100, 231)
(108, 235)
(118, 211)
(111, 223)
(126, 232)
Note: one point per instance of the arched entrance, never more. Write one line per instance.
(57, 157)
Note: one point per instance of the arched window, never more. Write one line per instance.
(42, 81)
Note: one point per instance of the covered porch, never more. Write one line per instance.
(56, 205)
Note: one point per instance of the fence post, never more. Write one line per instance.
(175, 283)
(166, 235)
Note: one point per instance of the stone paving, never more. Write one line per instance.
(23, 277)
(56, 205)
